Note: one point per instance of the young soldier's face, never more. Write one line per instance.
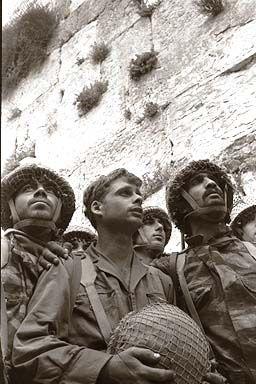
(205, 191)
(153, 230)
(121, 207)
(249, 231)
(35, 200)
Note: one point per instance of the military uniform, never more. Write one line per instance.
(59, 343)
(221, 278)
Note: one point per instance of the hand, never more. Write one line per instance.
(214, 378)
(51, 254)
(134, 366)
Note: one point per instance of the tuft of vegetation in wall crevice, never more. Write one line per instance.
(24, 43)
(145, 9)
(99, 53)
(209, 7)
(90, 97)
(142, 64)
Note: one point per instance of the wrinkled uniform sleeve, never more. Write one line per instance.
(41, 352)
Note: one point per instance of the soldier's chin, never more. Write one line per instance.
(216, 213)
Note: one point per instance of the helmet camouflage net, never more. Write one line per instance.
(78, 232)
(244, 217)
(15, 180)
(165, 329)
(177, 206)
(159, 213)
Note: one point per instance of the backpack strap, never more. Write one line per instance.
(173, 268)
(181, 258)
(87, 280)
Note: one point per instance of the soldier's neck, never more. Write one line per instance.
(42, 234)
(146, 255)
(116, 246)
(205, 228)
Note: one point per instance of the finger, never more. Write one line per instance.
(44, 263)
(57, 249)
(50, 257)
(157, 375)
(146, 356)
(214, 378)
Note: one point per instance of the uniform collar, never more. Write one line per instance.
(219, 237)
(103, 263)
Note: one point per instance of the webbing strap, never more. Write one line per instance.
(183, 284)
(4, 326)
(87, 279)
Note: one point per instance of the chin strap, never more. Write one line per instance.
(207, 211)
(19, 224)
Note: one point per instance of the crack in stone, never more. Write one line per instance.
(241, 65)
(233, 26)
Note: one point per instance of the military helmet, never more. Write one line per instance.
(79, 232)
(177, 206)
(159, 213)
(15, 180)
(244, 217)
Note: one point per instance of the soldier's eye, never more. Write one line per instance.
(27, 188)
(148, 221)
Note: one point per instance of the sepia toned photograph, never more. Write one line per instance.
(128, 192)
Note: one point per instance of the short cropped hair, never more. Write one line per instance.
(100, 187)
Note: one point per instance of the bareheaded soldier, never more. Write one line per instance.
(37, 205)
(155, 232)
(217, 273)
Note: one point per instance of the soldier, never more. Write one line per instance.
(216, 273)
(65, 333)
(244, 225)
(80, 238)
(37, 205)
(153, 235)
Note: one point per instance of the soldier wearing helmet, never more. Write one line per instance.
(155, 232)
(244, 224)
(216, 272)
(36, 206)
(80, 238)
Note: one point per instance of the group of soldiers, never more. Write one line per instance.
(63, 293)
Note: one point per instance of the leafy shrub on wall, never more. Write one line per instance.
(210, 7)
(90, 97)
(24, 43)
(143, 64)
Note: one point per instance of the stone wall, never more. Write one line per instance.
(204, 85)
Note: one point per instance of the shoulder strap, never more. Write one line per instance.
(4, 326)
(75, 279)
(87, 279)
(173, 268)
(4, 319)
(250, 248)
(183, 284)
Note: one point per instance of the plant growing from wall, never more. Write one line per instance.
(90, 97)
(151, 109)
(14, 113)
(99, 52)
(143, 64)
(210, 7)
(24, 43)
(144, 9)
(127, 114)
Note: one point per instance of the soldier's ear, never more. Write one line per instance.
(96, 208)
